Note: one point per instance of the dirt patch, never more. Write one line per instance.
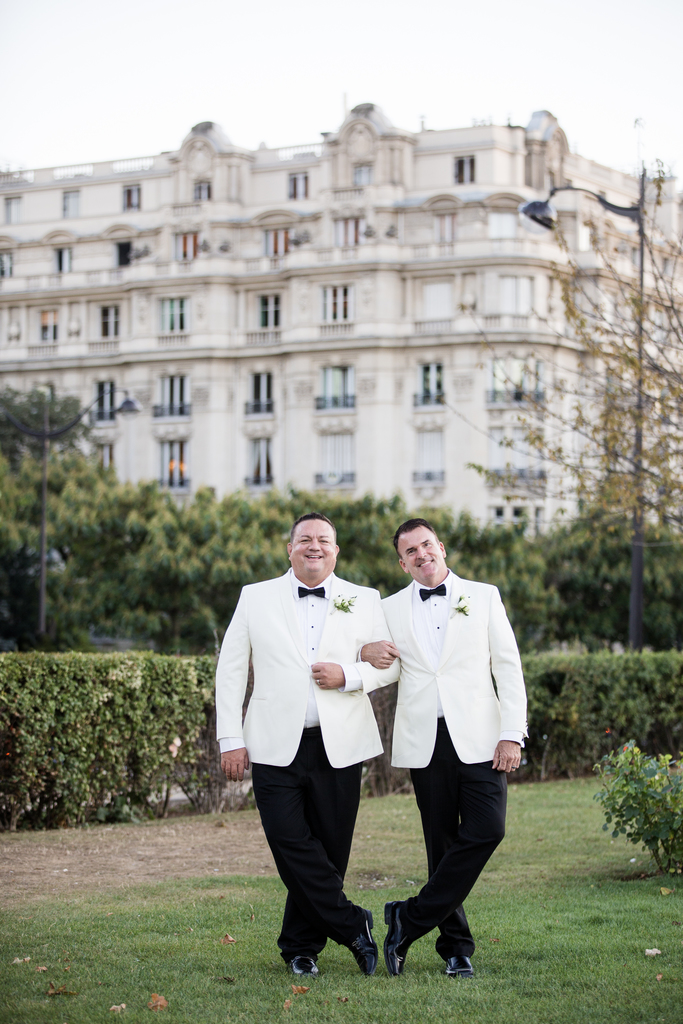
(36, 864)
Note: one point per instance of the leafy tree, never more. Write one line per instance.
(29, 409)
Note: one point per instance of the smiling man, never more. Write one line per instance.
(308, 728)
(456, 733)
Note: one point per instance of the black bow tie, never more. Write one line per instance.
(318, 592)
(439, 591)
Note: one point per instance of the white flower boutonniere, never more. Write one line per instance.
(344, 604)
(463, 606)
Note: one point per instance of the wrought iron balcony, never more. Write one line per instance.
(258, 408)
(259, 481)
(519, 474)
(335, 402)
(430, 398)
(102, 415)
(334, 479)
(429, 476)
(179, 409)
(513, 396)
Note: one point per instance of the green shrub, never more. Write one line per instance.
(643, 798)
(79, 732)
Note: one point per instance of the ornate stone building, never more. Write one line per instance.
(364, 313)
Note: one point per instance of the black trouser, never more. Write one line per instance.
(463, 820)
(308, 811)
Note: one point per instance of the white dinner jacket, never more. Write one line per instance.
(265, 627)
(477, 647)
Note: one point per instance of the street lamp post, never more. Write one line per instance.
(129, 405)
(542, 215)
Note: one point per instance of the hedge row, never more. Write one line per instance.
(79, 732)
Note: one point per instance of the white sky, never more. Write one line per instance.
(91, 80)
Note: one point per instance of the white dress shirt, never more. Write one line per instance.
(430, 622)
(311, 613)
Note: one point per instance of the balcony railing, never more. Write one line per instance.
(430, 398)
(519, 474)
(429, 476)
(258, 481)
(258, 408)
(42, 351)
(433, 326)
(179, 409)
(178, 340)
(264, 337)
(513, 396)
(102, 415)
(335, 402)
(336, 330)
(178, 485)
(103, 348)
(332, 479)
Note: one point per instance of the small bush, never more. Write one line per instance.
(643, 798)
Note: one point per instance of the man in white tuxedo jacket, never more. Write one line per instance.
(308, 728)
(457, 733)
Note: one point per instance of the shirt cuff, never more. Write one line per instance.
(227, 743)
(354, 680)
(513, 735)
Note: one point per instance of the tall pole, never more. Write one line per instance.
(635, 617)
(43, 526)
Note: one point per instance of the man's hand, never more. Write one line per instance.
(507, 756)
(235, 763)
(328, 675)
(381, 654)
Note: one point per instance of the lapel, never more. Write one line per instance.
(455, 621)
(293, 627)
(407, 627)
(333, 619)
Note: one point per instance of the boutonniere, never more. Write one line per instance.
(463, 606)
(344, 604)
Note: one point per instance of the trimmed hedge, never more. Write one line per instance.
(80, 731)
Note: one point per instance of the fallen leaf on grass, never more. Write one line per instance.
(653, 952)
(342, 999)
(676, 924)
(67, 968)
(61, 991)
(228, 978)
(227, 940)
(288, 1004)
(110, 913)
(665, 892)
(494, 940)
(299, 990)
(21, 960)
(659, 977)
(41, 968)
(157, 1002)
(117, 1009)
(221, 824)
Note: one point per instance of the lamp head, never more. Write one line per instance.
(538, 216)
(129, 406)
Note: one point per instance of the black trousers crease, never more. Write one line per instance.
(462, 807)
(308, 810)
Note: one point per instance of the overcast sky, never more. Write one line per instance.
(86, 80)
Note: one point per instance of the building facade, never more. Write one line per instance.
(362, 314)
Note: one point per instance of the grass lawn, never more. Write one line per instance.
(561, 936)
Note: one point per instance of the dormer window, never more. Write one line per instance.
(464, 170)
(362, 174)
(202, 191)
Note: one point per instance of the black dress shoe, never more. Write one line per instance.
(459, 967)
(364, 947)
(396, 943)
(303, 965)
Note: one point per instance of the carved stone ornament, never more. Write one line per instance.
(171, 433)
(14, 331)
(199, 160)
(74, 328)
(463, 386)
(366, 385)
(258, 428)
(335, 425)
(303, 389)
(200, 397)
(428, 421)
(361, 143)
